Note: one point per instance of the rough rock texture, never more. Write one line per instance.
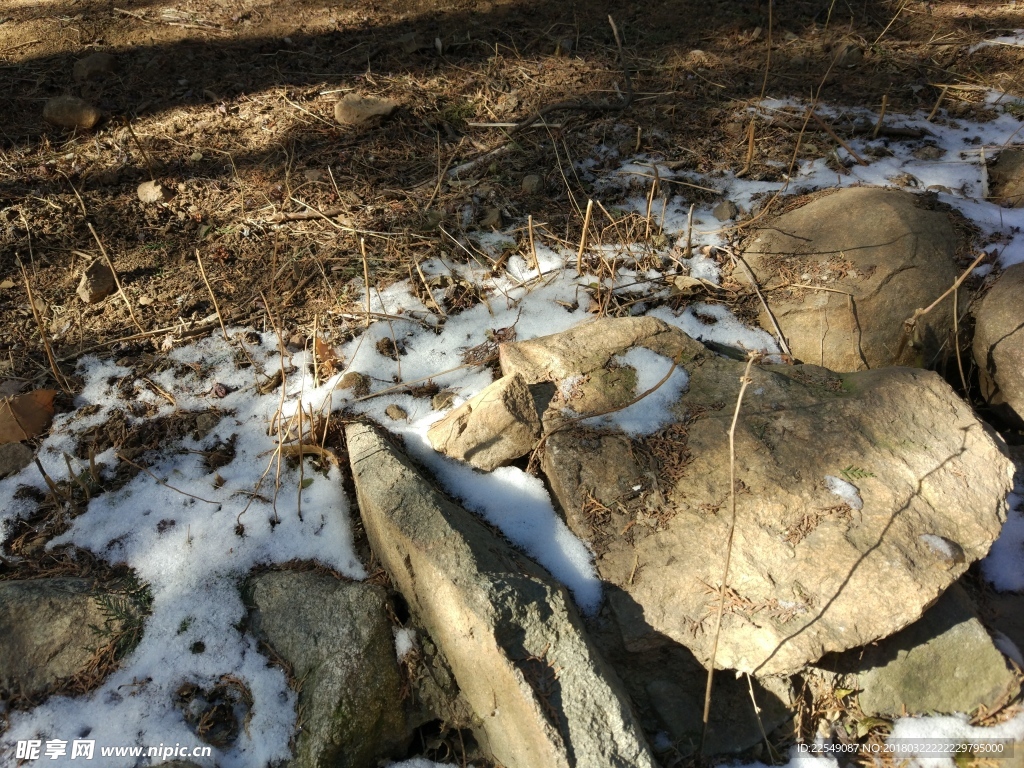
(497, 426)
(154, 192)
(543, 695)
(999, 345)
(353, 109)
(807, 566)
(45, 633)
(337, 637)
(14, 457)
(1006, 178)
(97, 282)
(71, 112)
(943, 663)
(886, 249)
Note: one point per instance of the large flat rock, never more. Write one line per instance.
(999, 345)
(812, 570)
(543, 696)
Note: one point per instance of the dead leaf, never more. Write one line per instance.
(304, 449)
(6, 284)
(327, 359)
(25, 416)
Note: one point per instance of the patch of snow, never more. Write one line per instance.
(846, 491)
(1004, 565)
(405, 641)
(652, 412)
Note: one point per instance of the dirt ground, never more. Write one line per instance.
(229, 104)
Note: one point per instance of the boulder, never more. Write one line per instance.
(943, 663)
(848, 487)
(542, 695)
(1006, 178)
(338, 640)
(46, 632)
(71, 112)
(97, 282)
(999, 345)
(881, 254)
(492, 429)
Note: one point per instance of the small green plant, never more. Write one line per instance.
(852, 473)
(124, 613)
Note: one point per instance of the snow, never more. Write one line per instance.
(405, 642)
(846, 491)
(179, 536)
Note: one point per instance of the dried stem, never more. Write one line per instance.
(366, 277)
(213, 298)
(744, 382)
(583, 237)
(62, 382)
(117, 280)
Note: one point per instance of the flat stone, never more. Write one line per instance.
(542, 695)
(45, 633)
(97, 282)
(807, 564)
(93, 67)
(71, 112)
(338, 640)
(14, 457)
(492, 429)
(354, 109)
(943, 663)
(999, 345)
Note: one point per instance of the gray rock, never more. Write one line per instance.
(151, 192)
(492, 429)
(491, 218)
(97, 282)
(14, 457)
(806, 567)
(1006, 178)
(885, 249)
(943, 663)
(354, 109)
(71, 112)
(94, 67)
(396, 412)
(726, 210)
(999, 345)
(337, 638)
(45, 632)
(358, 383)
(532, 184)
(542, 694)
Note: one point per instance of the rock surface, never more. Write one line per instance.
(726, 210)
(1006, 178)
(154, 192)
(943, 663)
(337, 638)
(515, 643)
(353, 109)
(885, 249)
(495, 427)
(999, 345)
(45, 632)
(14, 457)
(71, 112)
(97, 282)
(807, 564)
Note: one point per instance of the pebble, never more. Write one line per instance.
(396, 412)
(443, 400)
(353, 109)
(355, 381)
(14, 457)
(491, 218)
(848, 55)
(97, 282)
(154, 192)
(726, 210)
(71, 112)
(532, 184)
(94, 67)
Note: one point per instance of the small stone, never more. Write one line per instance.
(929, 153)
(532, 184)
(107, 178)
(313, 174)
(71, 112)
(353, 109)
(396, 412)
(442, 401)
(357, 382)
(491, 218)
(726, 210)
(848, 55)
(94, 67)
(154, 192)
(14, 457)
(940, 188)
(97, 283)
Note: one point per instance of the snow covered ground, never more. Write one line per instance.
(193, 564)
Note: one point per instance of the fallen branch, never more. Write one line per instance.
(330, 213)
